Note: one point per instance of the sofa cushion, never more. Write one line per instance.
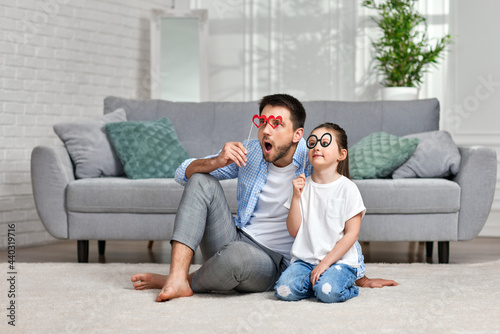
(436, 156)
(409, 196)
(89, 148)
(122, 195)
(148, 149)
(379, 154)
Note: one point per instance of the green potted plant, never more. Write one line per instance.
(403, 53)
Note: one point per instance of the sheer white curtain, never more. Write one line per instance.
(314, 50)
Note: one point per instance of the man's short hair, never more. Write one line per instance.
(297, 111)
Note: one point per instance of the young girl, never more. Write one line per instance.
(324, 218)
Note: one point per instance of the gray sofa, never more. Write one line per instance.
(117, 208)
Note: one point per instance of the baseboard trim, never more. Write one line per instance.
(490, 231)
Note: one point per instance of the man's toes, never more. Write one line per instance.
(166, 294)
(135, 277)
(141, 277)
(161, 297)
(139, 285)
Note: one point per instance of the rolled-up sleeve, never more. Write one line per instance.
(180, 172)
(227, 172)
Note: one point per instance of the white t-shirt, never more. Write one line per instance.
(268, 222)
(325, 208)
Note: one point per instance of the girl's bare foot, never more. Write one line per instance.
(366, 282)
(149, 281)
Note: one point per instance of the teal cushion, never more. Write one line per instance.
(147, 149)
(379, 154)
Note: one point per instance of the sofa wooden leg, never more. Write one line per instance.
(83, 251)
(429, 248)
(444, 251)
(102, 246)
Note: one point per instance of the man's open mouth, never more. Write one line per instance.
(267, 147)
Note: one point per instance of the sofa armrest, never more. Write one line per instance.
(51, 171)
(477, 179)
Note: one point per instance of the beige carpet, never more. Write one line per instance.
(99, 298)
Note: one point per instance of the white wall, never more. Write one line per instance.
(59, 59)
(474, 114)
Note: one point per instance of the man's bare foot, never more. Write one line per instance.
(149, 281)
(174, 288)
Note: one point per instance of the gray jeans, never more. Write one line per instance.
(232, 259)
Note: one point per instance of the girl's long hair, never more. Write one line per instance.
(341, 138)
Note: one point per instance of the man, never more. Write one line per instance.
(248, 252)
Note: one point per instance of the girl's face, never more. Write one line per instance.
(326, 151)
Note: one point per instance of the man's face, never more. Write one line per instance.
(277, 143)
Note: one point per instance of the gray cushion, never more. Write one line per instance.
(409, 196)
(122, 195)
(436, 156)
(88, 145)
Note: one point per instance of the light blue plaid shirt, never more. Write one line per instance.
(251, 179)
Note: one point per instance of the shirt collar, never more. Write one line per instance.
(300, 154)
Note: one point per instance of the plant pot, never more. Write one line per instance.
(399, 93)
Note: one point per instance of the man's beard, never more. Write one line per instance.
(280, 153)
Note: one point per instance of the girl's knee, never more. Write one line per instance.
(291, 291)
(284, 292)
(291, 288)
(284, 287)
(329, 292)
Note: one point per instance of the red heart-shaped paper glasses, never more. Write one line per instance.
(273, 121)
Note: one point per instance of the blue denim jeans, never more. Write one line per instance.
(335, 285)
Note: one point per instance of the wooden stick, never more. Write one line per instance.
(248, 140)
(305, 161)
